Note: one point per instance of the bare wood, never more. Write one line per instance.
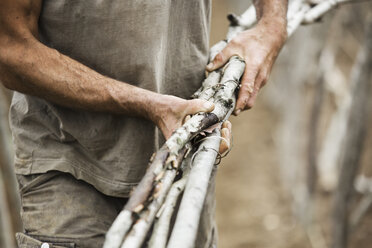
(118, 229)
(144, 188)
(161, 230)
(185, 229)
(137, 235)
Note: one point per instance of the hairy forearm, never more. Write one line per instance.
(32, 68)
(271, 11)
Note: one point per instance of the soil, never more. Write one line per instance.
(253, 210)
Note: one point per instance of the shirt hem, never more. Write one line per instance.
(104, 185)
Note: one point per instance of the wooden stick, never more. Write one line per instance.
(118, 230)
(199, 122)
(185, 229)
(124, 223)
(161, 230)
(223, 99)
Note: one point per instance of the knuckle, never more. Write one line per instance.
(246, 88)
(238, 40)
(249, 104)
(219, 57)
(243, 100)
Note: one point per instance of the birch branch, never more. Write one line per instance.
(223, 100)
(161, 230)
(124, 222)
(139, 231)
(185, 229)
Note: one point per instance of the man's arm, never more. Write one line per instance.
(30, 67)
(259, 47)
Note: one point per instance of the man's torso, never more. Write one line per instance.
(160, 45)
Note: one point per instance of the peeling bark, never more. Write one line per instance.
(161, 230)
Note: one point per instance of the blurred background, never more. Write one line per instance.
(300, 171)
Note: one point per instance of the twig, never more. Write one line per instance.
(127, 217)
(161, 230)
(186, 226)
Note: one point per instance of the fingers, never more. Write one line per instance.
(226, 137)
(220, 59)
(260, 82)
(252, 82)
(246, 89)
(197, 105)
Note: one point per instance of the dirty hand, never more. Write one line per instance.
(259, 47)
(171, 114)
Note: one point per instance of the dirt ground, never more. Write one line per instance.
(252, 208)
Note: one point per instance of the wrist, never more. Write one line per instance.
(274, 26)
(158, 107)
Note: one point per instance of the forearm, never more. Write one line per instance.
(32, 68)
(272, 11)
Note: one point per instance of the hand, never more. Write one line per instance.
(172, 111)
(226, 135)
(259, 47)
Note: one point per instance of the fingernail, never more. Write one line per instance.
(208, 105)
(229, 125)
(210, 66)
(237, 112)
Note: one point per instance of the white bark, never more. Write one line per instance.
(208, 87)
(186, 226)
(225, 92)
(161, 230)
(139, 230)
(320, 10)
(295, 21)
(241, 23)
(118, 229)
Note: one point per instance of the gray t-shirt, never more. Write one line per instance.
(160, 45)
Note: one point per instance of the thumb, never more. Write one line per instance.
(198, 105)
(220, 60)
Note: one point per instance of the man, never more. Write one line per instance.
(91, 80)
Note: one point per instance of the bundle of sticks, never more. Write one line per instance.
(183, 167)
